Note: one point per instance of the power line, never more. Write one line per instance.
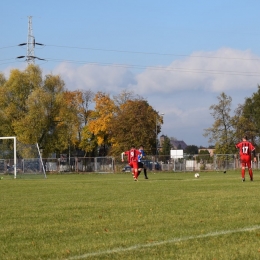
(155, 68)
(161, 68)
(7, 62)
(150, 53)
(6, 47)
(133, 52)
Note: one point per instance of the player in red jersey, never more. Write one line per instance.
(245, 149)
(132, 156)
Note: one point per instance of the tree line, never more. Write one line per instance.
(230, 126)
(39, 109)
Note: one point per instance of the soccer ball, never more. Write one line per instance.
(197, 175)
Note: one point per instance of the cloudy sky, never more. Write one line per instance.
(178, 54)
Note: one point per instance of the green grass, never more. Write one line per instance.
(109, 216)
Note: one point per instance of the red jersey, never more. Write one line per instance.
(245, 148)
(132, 155)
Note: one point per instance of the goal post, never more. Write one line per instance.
(20, 160)
(14, 139)
(41, 161)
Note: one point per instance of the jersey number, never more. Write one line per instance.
(245, 149)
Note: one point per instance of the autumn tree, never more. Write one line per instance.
(99, 122)
(125, 96)
(43, 121)
(134, 124)
(87, 140)
(85, 98)
(116, 124)
(14, 93)
(37, 109)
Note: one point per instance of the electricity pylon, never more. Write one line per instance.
(30, 44)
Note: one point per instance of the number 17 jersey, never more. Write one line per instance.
(245, 149)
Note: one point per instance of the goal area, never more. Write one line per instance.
(19, 160)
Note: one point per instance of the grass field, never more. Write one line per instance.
(109, 216)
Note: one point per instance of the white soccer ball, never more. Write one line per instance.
(197, 175)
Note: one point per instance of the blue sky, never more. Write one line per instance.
(179, 55)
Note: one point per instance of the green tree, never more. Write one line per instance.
(203, 158)
(165, 149)
(222, 132)
(247, 118)
(166, 146)
(191, 149)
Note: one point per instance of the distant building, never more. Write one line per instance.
(175, 144)
(161, 140)
(178, 144)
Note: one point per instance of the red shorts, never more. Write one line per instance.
(245, 161)
(134, 165)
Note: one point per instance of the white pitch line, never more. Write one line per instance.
(171, 241)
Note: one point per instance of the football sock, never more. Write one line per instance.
(145, 173)
(251, 173)
(243, 173)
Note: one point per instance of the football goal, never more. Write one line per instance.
(20, 160)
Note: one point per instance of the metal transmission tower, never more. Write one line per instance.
(30, 44)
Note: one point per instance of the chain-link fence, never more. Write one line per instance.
(63, 165)
(216, 162)
(197, 162)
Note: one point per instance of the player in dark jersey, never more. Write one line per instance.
(245, 149)
(140, 164)
(132, 156)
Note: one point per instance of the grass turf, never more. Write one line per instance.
(109, 216)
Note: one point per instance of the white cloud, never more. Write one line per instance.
(216, 71)
(184, 90)
(96, 78)
(221, 70)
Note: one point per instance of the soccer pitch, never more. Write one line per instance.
(109, 216)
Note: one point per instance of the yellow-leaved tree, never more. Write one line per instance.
(118, 123)
(14, 93)
(134, 124)
(37, 109)
(99, 122)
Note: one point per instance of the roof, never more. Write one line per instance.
(178, 144)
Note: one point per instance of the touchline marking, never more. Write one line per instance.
(175, 240)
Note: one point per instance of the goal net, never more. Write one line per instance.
(19, 160)
(225, 162)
